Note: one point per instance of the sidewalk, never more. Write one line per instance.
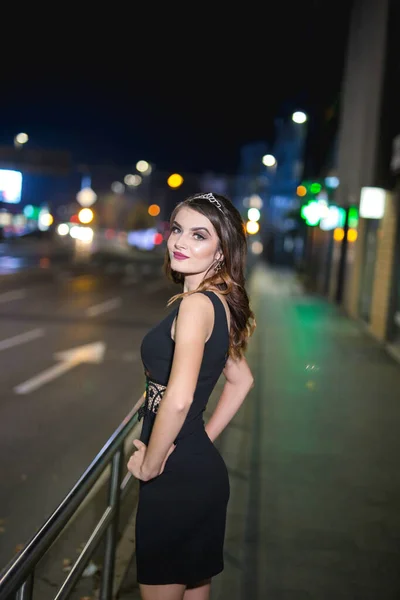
(313, 458)
(323, 517)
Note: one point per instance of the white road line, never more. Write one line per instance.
(69, 359)
(12, 295)
(48, 375)
(21, 338)
(99, 309)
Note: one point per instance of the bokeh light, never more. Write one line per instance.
(252, 227)
(175, 180)
(154, 210)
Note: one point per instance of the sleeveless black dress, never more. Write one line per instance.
(181, 515)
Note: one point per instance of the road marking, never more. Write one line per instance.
(89, 353)
(12, 295)
(99, 309)
(22, 338)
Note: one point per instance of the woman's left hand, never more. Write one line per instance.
(135, 462)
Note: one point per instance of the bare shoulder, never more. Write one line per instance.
(196, 303)
(195, 309)
(195, 317)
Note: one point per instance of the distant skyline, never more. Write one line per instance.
(189, 107)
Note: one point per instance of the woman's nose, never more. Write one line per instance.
(180, 242)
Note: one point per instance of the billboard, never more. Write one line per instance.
(10, 186)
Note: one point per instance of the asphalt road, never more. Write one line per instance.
(70, 372)
(312, 455)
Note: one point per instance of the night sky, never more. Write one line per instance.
(183, 93)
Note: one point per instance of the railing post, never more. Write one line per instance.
(114, 495)
(26, 590)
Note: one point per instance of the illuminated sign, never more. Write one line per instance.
(143, 238)
(372, 203)
(10, 186)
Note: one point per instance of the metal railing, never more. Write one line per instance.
(17, 579)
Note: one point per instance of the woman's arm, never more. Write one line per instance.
(239, 381)
(193, 326)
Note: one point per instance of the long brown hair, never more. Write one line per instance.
(230, 279)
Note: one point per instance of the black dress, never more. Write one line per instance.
(180, 522)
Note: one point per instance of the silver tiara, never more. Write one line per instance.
(211, 198)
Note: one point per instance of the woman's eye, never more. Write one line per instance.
(198, 236)
(174, 229)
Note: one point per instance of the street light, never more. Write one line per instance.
(175, 180)
(253, 214)
(252, 227)
(117, 187)
(132, 180)
(143, 167)
(153, 210)
(20, 139)
(299, 117)
(86, 215)
(269, 160)
(86, 197)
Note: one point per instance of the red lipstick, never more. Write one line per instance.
(179, 256)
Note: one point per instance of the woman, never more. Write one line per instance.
(184, 485)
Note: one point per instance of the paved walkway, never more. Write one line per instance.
(313, 457)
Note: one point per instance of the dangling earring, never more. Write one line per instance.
(218, 267)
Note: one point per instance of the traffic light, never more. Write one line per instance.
(353, 217)
(314, 205)
(309, 189)
(301, 190)
(315, 187)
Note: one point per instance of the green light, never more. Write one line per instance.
(353, 217)
(315, 188)
(29, 211)
(311, 213)
(342, 218)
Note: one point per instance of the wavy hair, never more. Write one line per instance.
(230, 279)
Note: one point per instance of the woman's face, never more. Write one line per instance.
(193, 244)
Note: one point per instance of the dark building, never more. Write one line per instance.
(364, 269)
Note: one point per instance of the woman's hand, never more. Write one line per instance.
(135, 463)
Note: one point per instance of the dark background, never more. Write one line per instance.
(181, 88)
